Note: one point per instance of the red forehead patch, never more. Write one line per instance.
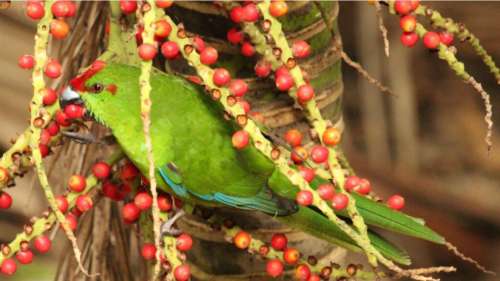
(78, 83)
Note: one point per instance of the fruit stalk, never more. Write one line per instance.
(444, 53)
(462, 33)
(145, 90)
(256, 246)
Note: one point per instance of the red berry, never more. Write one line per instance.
(128, 172)
(326, 191)
(26, 62)
(351, 182)
(71, 9)
(62, 203)
(5, 200)
(240, 139)
(128, 6)
(170, 50)
(242, 240)
(162, 28)
(148, 251)
(278, 8)
(8, 267)
(262, 69)
(61, 119)
(409, 39)
(164, 3)
(164, 203)
(307, 173)
(147, 52)
(414, 4)
(49, 96)
(331, 136)
(302, 272)
(35, 10)
(446, 38)
(403, 7)
(247, 49)
(184, 242)
(299, 154)
(238, 87)
(101, 170)
(408, 23)
(110, 190)
(53, 69)
(143, 200)
(84, 203)
(199, 44)
(274, 268)
(234, 36)
(221, 77)
(60, 9)
(42, 244)
(305, 93)
(319, 154)
(59, 28)
(304, 198)
(24, 257)
(72, 220)
(293, 137)
(431, 40)
(282, 70)
(279, 241)
(45, 137)
(53, 128)
(237, 14)
(291, 255)
(364, 187)
(77, 183)
(340, 201)
(284, 82)
(301, 49)
(74, 111)
(44, 150)
(314, 277)
(396, 202)
(130, 212)
(182, 272)
(251, 13)
(209, 56)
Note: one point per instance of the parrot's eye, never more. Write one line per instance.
(96, 88)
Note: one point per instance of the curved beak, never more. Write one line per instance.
(69, 96)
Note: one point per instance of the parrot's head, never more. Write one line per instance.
(103, 93)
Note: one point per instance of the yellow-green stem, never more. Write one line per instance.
(146, 103)
(37, 112)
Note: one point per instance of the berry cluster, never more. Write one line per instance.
(279, 255)
(408, 23)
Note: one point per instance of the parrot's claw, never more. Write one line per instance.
(168, 227)
(89, 138)
(79, 137)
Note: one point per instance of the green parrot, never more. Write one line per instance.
(196, 161)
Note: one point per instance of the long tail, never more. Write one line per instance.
(316, 224)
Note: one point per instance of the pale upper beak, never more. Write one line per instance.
(69, 96)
